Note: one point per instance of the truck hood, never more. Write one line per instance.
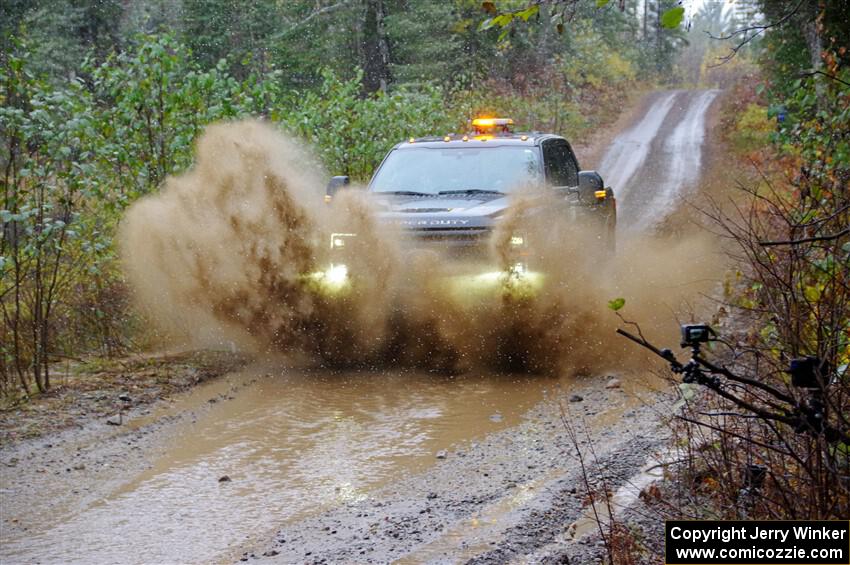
(441, 212)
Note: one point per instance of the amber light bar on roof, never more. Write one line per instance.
(488, 125)
(490, 122)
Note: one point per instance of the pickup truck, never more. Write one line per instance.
(448, 194)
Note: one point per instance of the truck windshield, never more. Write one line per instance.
(474, 169)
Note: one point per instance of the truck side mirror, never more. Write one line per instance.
(589, 183)
(335, 184)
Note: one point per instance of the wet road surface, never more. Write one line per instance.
(657, 162)
(290, 444)
(345, 467)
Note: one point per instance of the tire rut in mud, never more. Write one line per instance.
(509, 495)
(658, 161)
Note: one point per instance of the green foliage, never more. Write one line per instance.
(672, 18)
(808, 121)
(48, 175)
(815, 132)
(664, 39)
(752, 129)
(237, 31)
(61, 32)
(583, 84)
(77, 155)
(431, 45)
(352, 133)
(153, 101)
(594, 63)
(816, 126)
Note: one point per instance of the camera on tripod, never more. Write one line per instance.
(809, 372)
(694, 334)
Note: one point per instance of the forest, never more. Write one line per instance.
(101, 101)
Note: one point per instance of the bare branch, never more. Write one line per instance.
(830, 237)
(757, 30)
(827, 75)
(320, 12)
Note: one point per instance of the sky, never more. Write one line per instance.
(693, 6)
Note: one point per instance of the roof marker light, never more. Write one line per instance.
(411, 140)
(466, 138)
(524, 137)
(447, 138)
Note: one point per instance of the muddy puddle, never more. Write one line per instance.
(291, 443)
(484, 529)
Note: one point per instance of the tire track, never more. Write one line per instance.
(629, 150)
(657, 162)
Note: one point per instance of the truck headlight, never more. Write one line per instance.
(517, 241)
(336, 275)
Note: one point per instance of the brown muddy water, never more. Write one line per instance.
(292, 443)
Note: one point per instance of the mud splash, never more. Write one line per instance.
(221, 254)
(232, 252)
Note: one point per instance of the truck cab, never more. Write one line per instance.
(449, 192)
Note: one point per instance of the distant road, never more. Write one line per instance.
(657, 160)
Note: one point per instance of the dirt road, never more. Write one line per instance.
(286, 464)
(657, 161)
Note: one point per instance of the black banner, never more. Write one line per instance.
(799, 542)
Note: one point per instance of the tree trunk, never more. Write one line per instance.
(376, 48)
(16, 319)
(545, 38)
(811, 31)
(658, 39)
(37, 306)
